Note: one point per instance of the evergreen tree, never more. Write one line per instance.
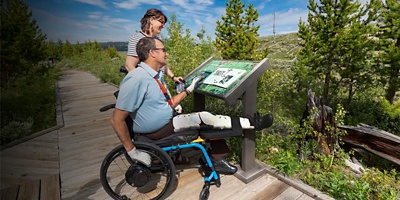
(180, 45)
(53, 50)
(112, 52)
(87, 45)
(67, 50)
(201, 33)
(237, 36)
(22, 43)
(77, 48)
(96, 46)
(335, 45)
(60, 45)
(389, 36)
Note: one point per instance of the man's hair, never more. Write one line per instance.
(144, 46)
(152, 12)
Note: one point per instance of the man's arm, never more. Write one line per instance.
(176, 100)
(179, 97)
(121, 128)
(131, 62)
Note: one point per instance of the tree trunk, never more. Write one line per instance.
(350, 96)
(393, 85)
(326, 86)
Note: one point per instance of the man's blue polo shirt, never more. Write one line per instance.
(141, 96)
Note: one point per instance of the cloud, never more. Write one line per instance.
(99, 3)
(94, 15)
(193, 5)
(94, 27)
(131, 4)
(285, 21)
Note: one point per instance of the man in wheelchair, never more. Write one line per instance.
(146, 99)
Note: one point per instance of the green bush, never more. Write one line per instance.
(28, 103)
(375, 113)
(98, 64)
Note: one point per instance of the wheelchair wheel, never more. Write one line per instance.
(205, 192)
(118, 170)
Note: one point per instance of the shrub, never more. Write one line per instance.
(29, 102)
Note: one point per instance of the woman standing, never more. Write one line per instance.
(152, 23)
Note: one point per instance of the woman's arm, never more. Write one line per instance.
(131, 62)
(170, 74)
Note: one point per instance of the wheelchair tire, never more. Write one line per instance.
(205, 192)
(116, 164)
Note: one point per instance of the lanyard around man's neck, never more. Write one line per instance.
(164, 91)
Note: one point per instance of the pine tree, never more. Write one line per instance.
(180, 44)
(22, 43)
(335, 44)
(389, 35)
(53, 51)
(96, 46)
(237, 36)
(77, 48)
(67, 50)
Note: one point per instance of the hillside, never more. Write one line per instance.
(283, 48)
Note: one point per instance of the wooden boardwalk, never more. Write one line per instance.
(65, 163)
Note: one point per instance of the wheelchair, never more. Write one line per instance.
(123, 178)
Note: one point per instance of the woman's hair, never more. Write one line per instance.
(152, 12)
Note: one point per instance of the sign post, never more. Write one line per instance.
(230, 81)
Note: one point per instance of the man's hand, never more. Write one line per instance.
(194, 83)
(179, 109)
(140, 156)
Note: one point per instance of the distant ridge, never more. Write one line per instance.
(283, 48)
(120, 46)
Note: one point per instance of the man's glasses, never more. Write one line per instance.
(163, 49)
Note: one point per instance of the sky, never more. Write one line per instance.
(117, 20)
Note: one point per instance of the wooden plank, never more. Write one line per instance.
(93, 141)
(299, 185)
(305, 197)
(230, 185)
(290, 193)
(12, 162)
(251, 190)
(82, 174)
(271, 192)
(93, 190)
(50, 188)
(66, 131)
(25, 172)
(6, 182)
(29, 190)
(9, 193)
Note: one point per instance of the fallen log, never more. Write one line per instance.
(374, 140)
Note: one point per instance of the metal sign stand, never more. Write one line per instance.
(250, 168)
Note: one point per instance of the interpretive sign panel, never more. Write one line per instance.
(227, 79)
